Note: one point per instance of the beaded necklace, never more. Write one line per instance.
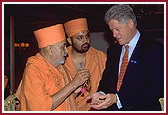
(62, 74)
(52, 72)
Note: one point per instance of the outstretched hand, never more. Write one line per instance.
(96, 98)
(99, 101)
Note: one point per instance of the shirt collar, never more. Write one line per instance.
(134, 41)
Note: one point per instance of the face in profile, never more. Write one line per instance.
(81, 41)
(122, 32)
(59, 53)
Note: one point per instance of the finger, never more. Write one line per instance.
(93, 102)
(104, 104)
(89, 97)
(102, 97)
(94, 106)
(98, 106)
(85, 74)
(84, 70)
(104, 107)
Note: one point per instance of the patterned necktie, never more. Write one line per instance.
(123, 68)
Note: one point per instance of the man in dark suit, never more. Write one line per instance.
(134, 74)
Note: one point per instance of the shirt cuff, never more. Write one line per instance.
(102, 92)
(118, 102)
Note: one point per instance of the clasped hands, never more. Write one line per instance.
(100, 101)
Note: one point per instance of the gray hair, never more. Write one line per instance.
(122, 13)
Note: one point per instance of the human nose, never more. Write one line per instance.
(86, 39)
(114, 33)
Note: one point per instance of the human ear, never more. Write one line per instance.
(131, 23)
(49, 50)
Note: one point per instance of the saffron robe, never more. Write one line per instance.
(38, 85)
(95, 63)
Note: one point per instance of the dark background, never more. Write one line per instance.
(30, 17)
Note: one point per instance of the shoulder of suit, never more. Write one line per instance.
(152, 43)
(114, 47)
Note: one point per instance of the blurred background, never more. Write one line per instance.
(20, 20)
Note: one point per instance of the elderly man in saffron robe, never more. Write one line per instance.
(46, 85)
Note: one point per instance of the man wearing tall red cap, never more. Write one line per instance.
(46, 85)
(82, 56)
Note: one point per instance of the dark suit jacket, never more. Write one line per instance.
(143, 79)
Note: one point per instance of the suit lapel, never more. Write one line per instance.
(132, 65)
(116, 57)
